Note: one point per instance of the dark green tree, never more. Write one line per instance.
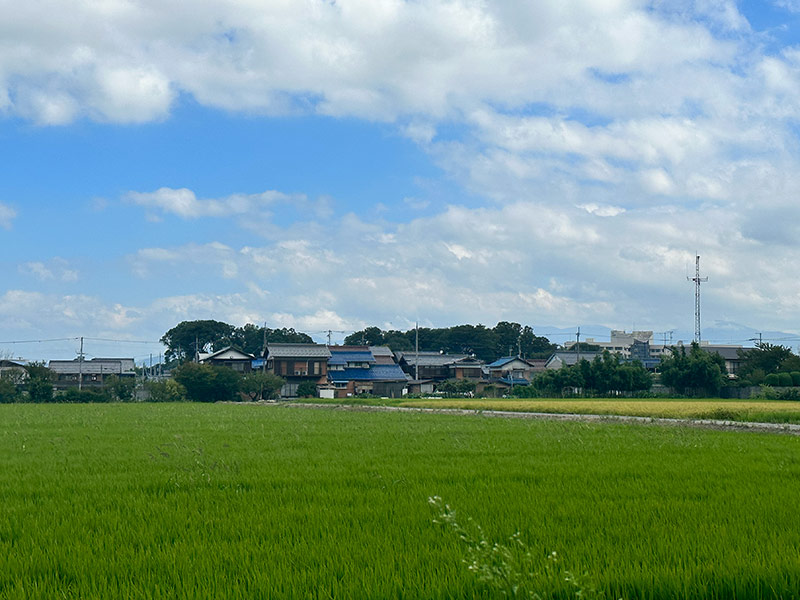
(696, 373)
(8, 391)
(39, 384)
(189, 336)
(120, 388)
(456, 387)
(307, 389)
(205, 383)
(756, 363)
(261, 385)
(371, 336)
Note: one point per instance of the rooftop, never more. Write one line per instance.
(374, 373)
(298, 351)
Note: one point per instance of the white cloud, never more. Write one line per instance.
(7, 216)
(183, 203)
(56, 269)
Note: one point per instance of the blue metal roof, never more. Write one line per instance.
(345, 356)
(502, 361)
(515, 381)
(374, 373)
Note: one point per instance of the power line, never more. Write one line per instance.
(41, 341)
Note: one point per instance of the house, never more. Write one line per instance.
(230, 357)
(297, 363)
(90, 373)
(383, 355)
(562, 358)
(354, 370)
(468, 367)
(510, 370)
(428, 365)
(729, 353)
(14, 369)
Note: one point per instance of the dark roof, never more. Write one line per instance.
(342, 357)
(726, 352)
(374, 373)
(429, 359)
(298, 351)
(571, 358)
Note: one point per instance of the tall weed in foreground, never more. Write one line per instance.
(513, 569)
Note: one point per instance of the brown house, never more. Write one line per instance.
(297, 363)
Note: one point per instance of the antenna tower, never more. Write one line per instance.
(697, 281)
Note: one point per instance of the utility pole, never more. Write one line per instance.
(329, 337)
(196, 349)
(416, 352)
(697, 281)
(754, 339)
(578, 342)
(80, 367)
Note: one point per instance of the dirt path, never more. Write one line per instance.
(784, 428)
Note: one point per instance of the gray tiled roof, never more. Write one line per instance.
(298, 351)
(124, 366)
(430, 359)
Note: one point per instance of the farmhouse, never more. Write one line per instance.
(354, 370)
(297, 363)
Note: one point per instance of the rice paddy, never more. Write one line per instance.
(247, 501)
(764, 411)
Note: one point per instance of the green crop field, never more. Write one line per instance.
(764, 411)
(248, 501)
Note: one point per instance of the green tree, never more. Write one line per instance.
(371, 336)
(205, 383)
(8, 391)
(696, 373)
(757, 363)
(120, 388)
(165, 391)
(39, 383)
(307, 389)
(457, 387)
(258, 384)
(189, 336)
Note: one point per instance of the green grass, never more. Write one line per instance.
(227, 501)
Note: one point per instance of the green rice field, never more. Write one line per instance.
(764, 411)
(253, 501)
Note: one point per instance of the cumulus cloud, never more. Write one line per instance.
(7, 215)
(184, 203)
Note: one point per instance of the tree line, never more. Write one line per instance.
(486, 343)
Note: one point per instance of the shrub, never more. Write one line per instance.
(205, 383)
(121, 388)
(772, 380)
(307, 389)
(165, 391)
(39, 390)
(785, 380)
(8, 391)
(76, 396)
(795, 377)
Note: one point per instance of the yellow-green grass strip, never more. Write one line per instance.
(734, 410)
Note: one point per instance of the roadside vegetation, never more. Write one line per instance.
(246, 500)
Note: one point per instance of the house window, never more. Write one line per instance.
(316, 368)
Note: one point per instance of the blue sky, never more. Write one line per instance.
(334, 165)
